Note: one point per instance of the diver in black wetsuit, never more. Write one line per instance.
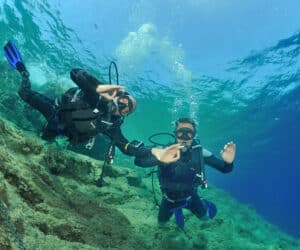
(81, 113)
(179, 180)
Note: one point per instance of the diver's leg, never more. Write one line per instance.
(36, 100)
(203, 209)
(164, 213)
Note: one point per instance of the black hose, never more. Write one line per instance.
(150, 138)
(116, 69)
(107, 161)
(153, 190)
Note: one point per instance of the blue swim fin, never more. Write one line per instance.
(179, 214)
(211, 210)
(13, 56)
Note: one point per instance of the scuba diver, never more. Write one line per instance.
(179, 180)
(84, 111)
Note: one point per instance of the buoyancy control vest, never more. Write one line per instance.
(81, 121)
(181, 178)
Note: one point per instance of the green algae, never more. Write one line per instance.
(66, 210)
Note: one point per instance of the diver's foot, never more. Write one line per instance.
(25, 74)
(20, 66)
(211, 210)
(162, 224)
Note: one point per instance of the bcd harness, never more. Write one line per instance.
(197, 162)
(200, 177)
(197, 166)
(80, 121)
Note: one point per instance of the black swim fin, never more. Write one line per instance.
(13, 56)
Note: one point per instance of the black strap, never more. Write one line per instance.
(197, 156)
(201, 169)
(153, 189)
(107, 162)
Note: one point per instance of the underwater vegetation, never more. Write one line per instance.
(48, 196)
(49, 201)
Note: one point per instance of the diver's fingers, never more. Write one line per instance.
(231, 145)
(107, 96)
(174, 146)
(121, 88)
(114, 93)
(107, 88)
(102, 88)
(177, 156)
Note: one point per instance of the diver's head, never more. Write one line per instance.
(185, 131)
(124, 103)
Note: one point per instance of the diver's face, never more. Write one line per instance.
(124, 105)
(184, 134)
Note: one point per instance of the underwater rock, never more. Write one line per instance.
(66, 210)
(115, 172)
(176, 241)
(38, 193)
(134, 179)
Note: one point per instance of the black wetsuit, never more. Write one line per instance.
(60, 124)
(179, 183)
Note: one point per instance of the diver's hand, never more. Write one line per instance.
(109, 91)
(228, 153)
(167, 155)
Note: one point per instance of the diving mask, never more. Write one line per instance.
(185, 134)
(124, 104)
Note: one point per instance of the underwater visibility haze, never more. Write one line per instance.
(233, 66)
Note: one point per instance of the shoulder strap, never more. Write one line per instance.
(75, 95)
(199, 158)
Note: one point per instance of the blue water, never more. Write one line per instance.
(231, 65)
